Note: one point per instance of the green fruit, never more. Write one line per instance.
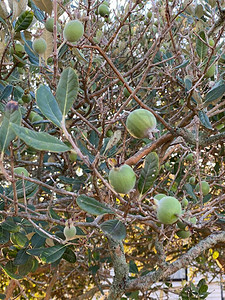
(103, 10)
(26, 98)
(122, 179)
(39, 45)
(193, 220)
(205, 187)
(149, 14)
(184, 234)
(70, 232)
(69, 188)
(211, 71)
(109, 133)
(21, 171)
(190, 157)
(140, 123)
(18, 49)
(184, 202)
(192, 180)
(106, 3)
(211, 42)
(73, 156)
(159, 196)
(34, 117)
(168, 210)
(73, 31)
(50, 23)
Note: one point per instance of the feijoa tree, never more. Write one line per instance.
(66, 90)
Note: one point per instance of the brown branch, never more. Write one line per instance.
(51, 285)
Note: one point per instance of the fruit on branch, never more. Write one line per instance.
(211, 42)
(19, 51)
(149, 14)
(49, 24)
(192, 180)
(193, 220)
(34, 117)
(141, 123)
(26, 98)
(21, 171)
(159, 196)
(39, 45)
(73, 156)
(183, 234)
(181, 225)
(205, 187)
(184, 202)
(69, 230)
(190, 157)
(103, 10)
(211, 71)
(122, 179)
(73, 31)
(168, 210)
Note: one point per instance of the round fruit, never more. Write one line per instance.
(73, 156)
(190, 157)
(103, 10)
(211, 42)
(26, 98)
(168, 210)
(159, 196)
(106, 3)
(21, 171)
(73, 31)
(192, 180)
(184, 202)
(122, 179)
(70, 232)
(181, 225)
(184, 234)
(211, 71)
(140, 123)
(205, 187)
(39, 45)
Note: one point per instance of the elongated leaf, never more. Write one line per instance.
(39, 140)
(204, 119)
(201, 47)
(24, 21)
(67, 90)
(21, 257)
(6, 132)
(6, 92)
(48, 105)
(149, 173)
(92, 206)
(26, 268)
(4, 236)
(215, 93)
(48, 37)
(29, 188)
(45, 5)
(69, 256)
(189, 190)
(114, 228)
(36, 251)
(10, 269)
(52, 254)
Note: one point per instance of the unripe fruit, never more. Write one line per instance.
(190, 157)
(159, 196)
(122, 179)
(50, 23)
(73, 156)
(211, 42)
(39, 45)
(184, 202)
(211, 71)
(106, 3)
(73, 31)
(149, 14)
(34, 117)
(26, 98)
(168, 210)
(205, 187)
(140, 123)
(192, 180)
(21, 171)
(70, 231)
(184, 234)
(181, 225)
(103, 10)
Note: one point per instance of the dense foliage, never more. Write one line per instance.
(65, 232)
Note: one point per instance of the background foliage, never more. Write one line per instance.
(169, 55)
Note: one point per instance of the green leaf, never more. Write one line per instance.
(29, 188)
(67, 90)
(36, 251)
(215, 93)
(39, 140)
(133, 267)
(201, 47)
(92, 206)
(19, 238)
(52, 254)
(6, 132)
(10, 269)
(69, 256)
(184, 64)
(204, 119)
(114, 228)
(189, 190)
(21, 257)
(10, 226)
(149, 173)
(24, 20)
(48, 105)
(26, 268)
(4, 236)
